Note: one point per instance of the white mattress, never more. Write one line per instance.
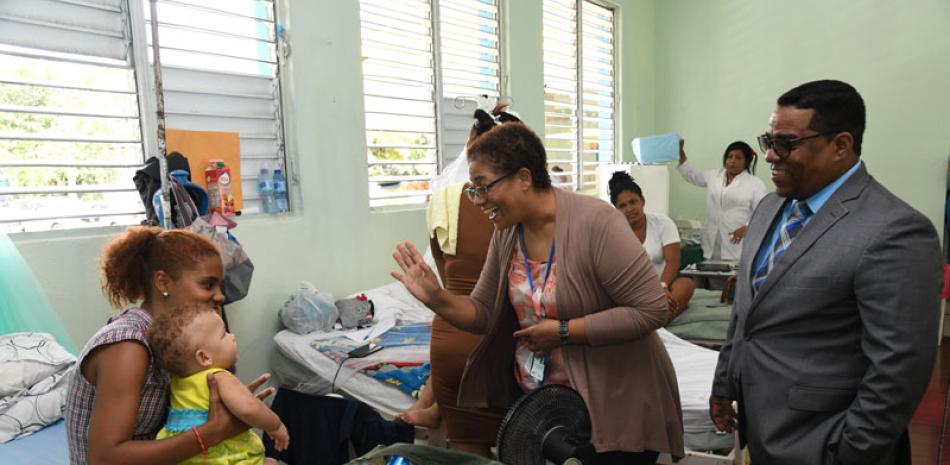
(391, 300)
(695, 367)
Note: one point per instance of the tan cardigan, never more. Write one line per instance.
(624, 373)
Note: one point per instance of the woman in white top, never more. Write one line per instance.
(731, 195)
(659, 237)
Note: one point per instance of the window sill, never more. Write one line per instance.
(388, 209)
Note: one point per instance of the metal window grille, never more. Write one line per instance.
(70, 136)
(580, 94)
(71, 130)
(414, 69)
(470, 67)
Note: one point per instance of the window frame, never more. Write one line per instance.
(577, 183)
(47, 206)
(148, 100)
(143, 112)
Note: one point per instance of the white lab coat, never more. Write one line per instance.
(727, 207)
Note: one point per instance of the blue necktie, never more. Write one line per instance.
(793, 225)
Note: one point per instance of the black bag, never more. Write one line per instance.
(148, 181)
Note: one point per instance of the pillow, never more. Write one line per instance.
(34, 374)
(27, 358)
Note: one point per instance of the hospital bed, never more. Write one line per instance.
(298, 366)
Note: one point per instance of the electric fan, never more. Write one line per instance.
(550, 423)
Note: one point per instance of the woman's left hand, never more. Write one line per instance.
(739, 234)
(542, 337)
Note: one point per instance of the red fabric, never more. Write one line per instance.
(946, 281)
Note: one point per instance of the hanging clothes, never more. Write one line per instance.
(728, 208)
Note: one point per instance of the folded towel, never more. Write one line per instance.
(442, 216)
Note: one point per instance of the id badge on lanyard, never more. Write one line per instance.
(536, 365)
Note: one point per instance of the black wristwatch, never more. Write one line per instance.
(562, 332)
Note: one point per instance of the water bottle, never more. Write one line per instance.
(280, 191)
(266, 189)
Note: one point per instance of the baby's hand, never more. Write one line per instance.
(281, 437)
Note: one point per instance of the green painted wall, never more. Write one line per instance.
(720, 66)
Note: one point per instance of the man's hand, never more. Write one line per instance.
(722, 414)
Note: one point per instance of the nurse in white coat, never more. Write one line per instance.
(731, 195)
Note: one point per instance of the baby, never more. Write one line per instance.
(190, 342)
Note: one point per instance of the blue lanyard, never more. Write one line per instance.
(527, 265)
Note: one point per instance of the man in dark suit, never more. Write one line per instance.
(834, 330)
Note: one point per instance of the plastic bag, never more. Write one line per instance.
(238, 269)
(308, 310)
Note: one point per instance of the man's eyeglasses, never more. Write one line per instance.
(480, 192)
(784, 146)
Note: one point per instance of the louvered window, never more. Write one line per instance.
(470, 67)
(220, 72)
(418, 77)
(579, 90)
(70, 136)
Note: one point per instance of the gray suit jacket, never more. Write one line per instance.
(831, 356)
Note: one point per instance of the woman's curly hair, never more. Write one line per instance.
(511, 146)
(129, 262)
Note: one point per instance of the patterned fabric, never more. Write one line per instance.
(402, 364)
(190, 398)
(519, 292)
(133, 325)
(793, 225)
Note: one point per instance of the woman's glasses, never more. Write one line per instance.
(480, 192)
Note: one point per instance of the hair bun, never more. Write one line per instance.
(619, 178)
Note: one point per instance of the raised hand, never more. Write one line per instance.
(682, 152)
(416, 274)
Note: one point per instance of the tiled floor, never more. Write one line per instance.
(925, 426)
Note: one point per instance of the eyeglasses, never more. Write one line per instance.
(782, 146)
(480, 192)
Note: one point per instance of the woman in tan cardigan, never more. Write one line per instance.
(565, 297)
